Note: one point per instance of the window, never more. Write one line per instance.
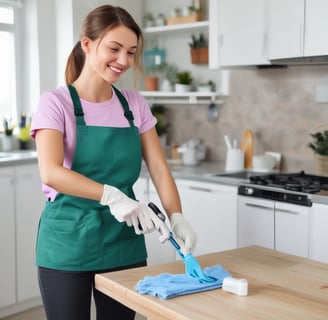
(8, 58)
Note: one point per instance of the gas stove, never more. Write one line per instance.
(286, 187)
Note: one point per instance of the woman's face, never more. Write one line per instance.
(112, 55)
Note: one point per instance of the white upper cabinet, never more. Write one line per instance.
(238, 33)
(286, 25)
(316, 26)
(298, 28)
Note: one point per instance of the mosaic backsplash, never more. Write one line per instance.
(278, 105)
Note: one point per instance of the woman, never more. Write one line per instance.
(91, 139)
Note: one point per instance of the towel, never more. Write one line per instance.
(166, 286)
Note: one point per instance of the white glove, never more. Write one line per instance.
(134, 213)
(184, 233)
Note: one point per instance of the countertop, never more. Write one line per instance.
(202, 172)
(280, 286)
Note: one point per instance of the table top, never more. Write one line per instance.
(280, 286)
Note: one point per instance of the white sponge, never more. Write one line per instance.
(236, 286)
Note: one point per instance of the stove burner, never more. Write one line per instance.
(298, 182)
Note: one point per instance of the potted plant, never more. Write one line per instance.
(183, 81)
(152, 77)
(169, 72)
(198, 49)
(319, 145)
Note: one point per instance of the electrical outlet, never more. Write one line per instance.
(321, 93)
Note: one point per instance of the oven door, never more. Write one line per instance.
(255, 222)
(273, 224)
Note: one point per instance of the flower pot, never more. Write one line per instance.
(182, 87)
(151, 83)
(199, 56)
(321, 163)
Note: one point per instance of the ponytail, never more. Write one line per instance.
(74, 63)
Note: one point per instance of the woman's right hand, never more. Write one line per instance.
(133, 213)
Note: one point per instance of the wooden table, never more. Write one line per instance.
(280, 287)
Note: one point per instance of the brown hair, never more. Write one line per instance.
(94, 26)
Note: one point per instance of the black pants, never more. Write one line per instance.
(66, 295)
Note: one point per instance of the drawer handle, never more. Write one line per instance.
(200, 189)
(258, 206)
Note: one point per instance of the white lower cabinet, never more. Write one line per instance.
(22, 202)
(29, 205)
(274, 225)
(7, 238)
(318, 233)
(157, 252)
(211, 209)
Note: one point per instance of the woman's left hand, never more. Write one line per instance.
(184, 233)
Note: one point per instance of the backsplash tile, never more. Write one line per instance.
(278, 105)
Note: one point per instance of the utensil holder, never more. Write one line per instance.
(235, 160)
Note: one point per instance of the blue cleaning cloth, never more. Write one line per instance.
(166, 286)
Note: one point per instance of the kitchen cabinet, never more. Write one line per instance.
(238, 33)
(318, 233)
(297, 28)
(255, 222)
(274, 225)
(7, 238)
(211, 209)
(29, 204)
(157, 252)
(22, 202)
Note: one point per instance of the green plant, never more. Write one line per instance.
(159, 112)
(169, 71)
(184, 77)
(320, 143)
(198, 42)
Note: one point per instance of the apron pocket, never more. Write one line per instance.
(64, 242)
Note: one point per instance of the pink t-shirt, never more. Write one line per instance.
(55, 111)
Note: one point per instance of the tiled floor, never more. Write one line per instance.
(38, 314)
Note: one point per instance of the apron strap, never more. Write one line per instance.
(78, 111)
(127, 112)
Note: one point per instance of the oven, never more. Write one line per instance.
(274, 211)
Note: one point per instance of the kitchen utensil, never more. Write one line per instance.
(192, 266)
(212, 112)
(192, 152)
(227, 141)
(247, 145)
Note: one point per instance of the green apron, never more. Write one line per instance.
(79, 234)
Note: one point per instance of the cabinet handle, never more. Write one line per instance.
(200, 189)
(258, 206)
(286, 211)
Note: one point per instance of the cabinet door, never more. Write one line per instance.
(7, 238)
(211, 209)
(292, 229)
(158, 252)
(140, 189)
(286, 28)
(316, 25)
(318, 233)
(239, 29)
(255, 222)
(29, 205)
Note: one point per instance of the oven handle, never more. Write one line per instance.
(271, 208)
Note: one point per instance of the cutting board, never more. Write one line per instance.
(247, 145)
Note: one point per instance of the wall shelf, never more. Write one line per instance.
(164, 97)
(177, 27)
